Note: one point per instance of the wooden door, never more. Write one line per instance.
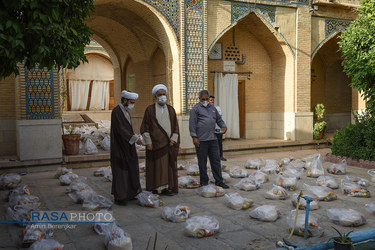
(241, 106)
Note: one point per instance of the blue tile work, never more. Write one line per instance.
(170, 10)
(39, 94)
(240, 9)
(194, 52)
(333, 25)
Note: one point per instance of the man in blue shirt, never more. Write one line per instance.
(202, 122)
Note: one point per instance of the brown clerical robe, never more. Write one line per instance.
(124, 159)
(161, 161)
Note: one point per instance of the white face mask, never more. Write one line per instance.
(130, 106)
(205, 103)
(162, 100)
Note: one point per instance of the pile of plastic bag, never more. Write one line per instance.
(346, 217)
(210, 191)
(314, 205)
(237, 172)
(237, 202)
(353, 189)
(201, 226)
(180, 213)
(315, 167)
(148, 199)
(266, 213)
(338, 168)
(187, 182)
(320, 193)
(253, 164)
(247, 184)
(327, 181)
(313, 228)
(286, 181)
(277, 193)
(9, 181)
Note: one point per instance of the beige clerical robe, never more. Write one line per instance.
(159, 128)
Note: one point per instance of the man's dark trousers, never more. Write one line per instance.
(220, 142)
(210, 149)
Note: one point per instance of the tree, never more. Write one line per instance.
(358, 49)
(49, 32)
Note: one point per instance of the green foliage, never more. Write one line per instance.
(48, 32)
(343, 237)
(358, 49)
(356, 140)
(320, 126)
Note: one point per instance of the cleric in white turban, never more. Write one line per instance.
(124, 159)
(158, 87)
(129, 95)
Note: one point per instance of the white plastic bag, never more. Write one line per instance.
(338, 168)
(327, 181)
(346, 217)
(96, 202)
(253, 164)
(106, 143)
(316, 168)
(90, 147)
(371, 172)
(201, 226)
(19, 214)
(210, 191)
(353, 189)
(286, 161)
(266, 213)
(24, 199)
(180, 213)
(370, 208)
(313, 228)
(35, 232)
(297, 164)
(320, 193)
(116, 238)
(271, 167)
(68, 178)
(192, 169)
(277, 193)
(287, 182)
(260, 176)
(237, 172)
(148, 199)
(9, 181)
(187, 182)
(247, 184)
(292, 171)
(314, 205)
(237, 202)
(61, 171)
(359, 180)
(46, 244)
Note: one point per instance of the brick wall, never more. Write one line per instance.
(7, 117)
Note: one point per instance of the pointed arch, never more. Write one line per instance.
(323, 42)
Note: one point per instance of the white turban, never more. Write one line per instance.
(158, 87)
(129, 95)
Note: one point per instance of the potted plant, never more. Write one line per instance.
(342, 241)
(71, 141)
(320, 126)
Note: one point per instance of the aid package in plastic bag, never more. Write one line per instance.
(266, 213)
(277, 193)
(68, 178)
(61, 171)
(370, 208)
(201, 226)
(247, 184)
(46, 244)
(226, 177)
(371, 172)
(90, 147)
(237, 172)
(260, 176)
(210, 191)
(180, 213)
(148, 199)
(315, 169)
(320, 193)
(96, 202)
(116, 238)
(9, 181)
(20, 214)
(359, 180)
(313, 228)
(353, 189)
(35, 232)
(192, 169)
(270, 167)
(24, 199)
(338, 168)
(105, 144)
(287, 182)
(253, 164)
(327, 181)
(346, 217)
(237, 202)
(188, 182)
(314, 205)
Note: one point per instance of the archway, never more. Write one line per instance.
(330, 85)
(265, 92)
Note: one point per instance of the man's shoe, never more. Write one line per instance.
(203, 184)
(223, 159)
(223, 185)
(167, 192)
